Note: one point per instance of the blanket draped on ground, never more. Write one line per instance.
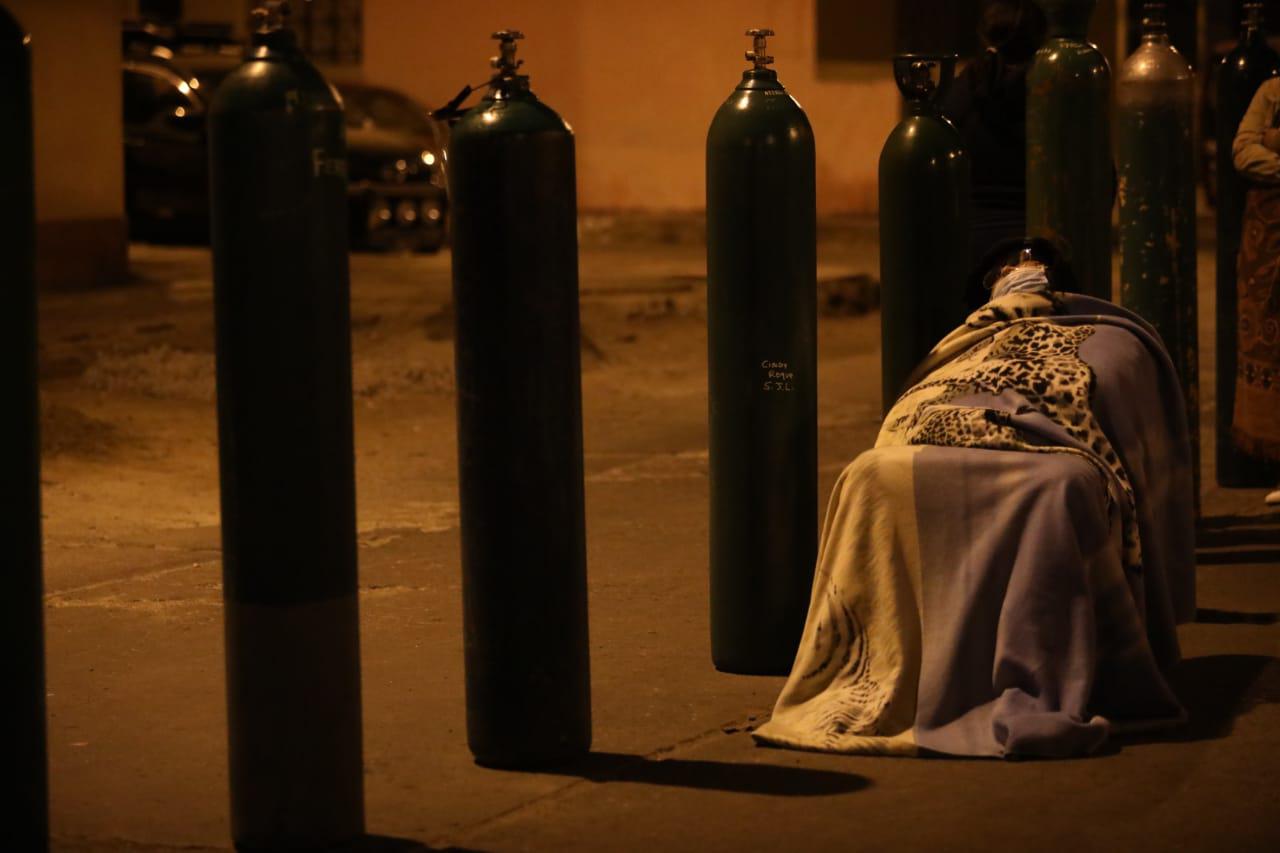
(1003, 573)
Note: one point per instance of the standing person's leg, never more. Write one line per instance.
(1255, 423)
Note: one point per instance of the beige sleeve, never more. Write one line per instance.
(1252, 159)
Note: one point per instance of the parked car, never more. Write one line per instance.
(396, 180)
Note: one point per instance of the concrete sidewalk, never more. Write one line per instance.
(137, 726)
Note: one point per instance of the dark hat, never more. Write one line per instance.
(1010, 252)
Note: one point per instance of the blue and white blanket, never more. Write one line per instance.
(1002, 574)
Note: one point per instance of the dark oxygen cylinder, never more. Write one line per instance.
(1155, 154)
(1242, 71)
(1069, 171)
(924, 224)
(21, 599)
(762, 383)
(277, 168)
(519, 397)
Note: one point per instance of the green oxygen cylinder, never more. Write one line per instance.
(1070, 177)
(278, 194)
(21, 599)
(924, 224)
(1240, 74)
(1155, 154)
(517, 361)
(762, 382)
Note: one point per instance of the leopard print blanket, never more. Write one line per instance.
(1011, 349)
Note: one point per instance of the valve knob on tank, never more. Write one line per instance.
(1253, 15)
(757, 55)
(1153, 19)
(272, 15)
(505, 62)
(914, 75)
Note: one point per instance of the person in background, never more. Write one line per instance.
(1255, 423)
(987, 103)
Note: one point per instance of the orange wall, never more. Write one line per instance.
(75, 58)
(79, 149)
(639, 84)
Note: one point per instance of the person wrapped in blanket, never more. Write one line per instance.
(1003, 573)
(1255, 421)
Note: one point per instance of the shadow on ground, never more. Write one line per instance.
(1210, 616)
(1221, 522)
(390, 844)
(366, 844)
(739, 778)
(1229, 539)
(1247, 555)
(1215, 690)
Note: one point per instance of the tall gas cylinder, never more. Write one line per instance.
(21, 600)
(1070, 178)
(762, 358)
(515, 292)
(277, 167)
(1155, 153)
(924, 223)
(1240, 74)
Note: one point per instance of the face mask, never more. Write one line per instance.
(1027, 277)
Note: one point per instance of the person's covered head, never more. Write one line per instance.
(1021, 265)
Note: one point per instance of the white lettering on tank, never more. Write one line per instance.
(777, 375)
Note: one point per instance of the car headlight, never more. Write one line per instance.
(406, 212)
(380, 214)
(397, 171)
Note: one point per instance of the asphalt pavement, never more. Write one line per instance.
(137, 729)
